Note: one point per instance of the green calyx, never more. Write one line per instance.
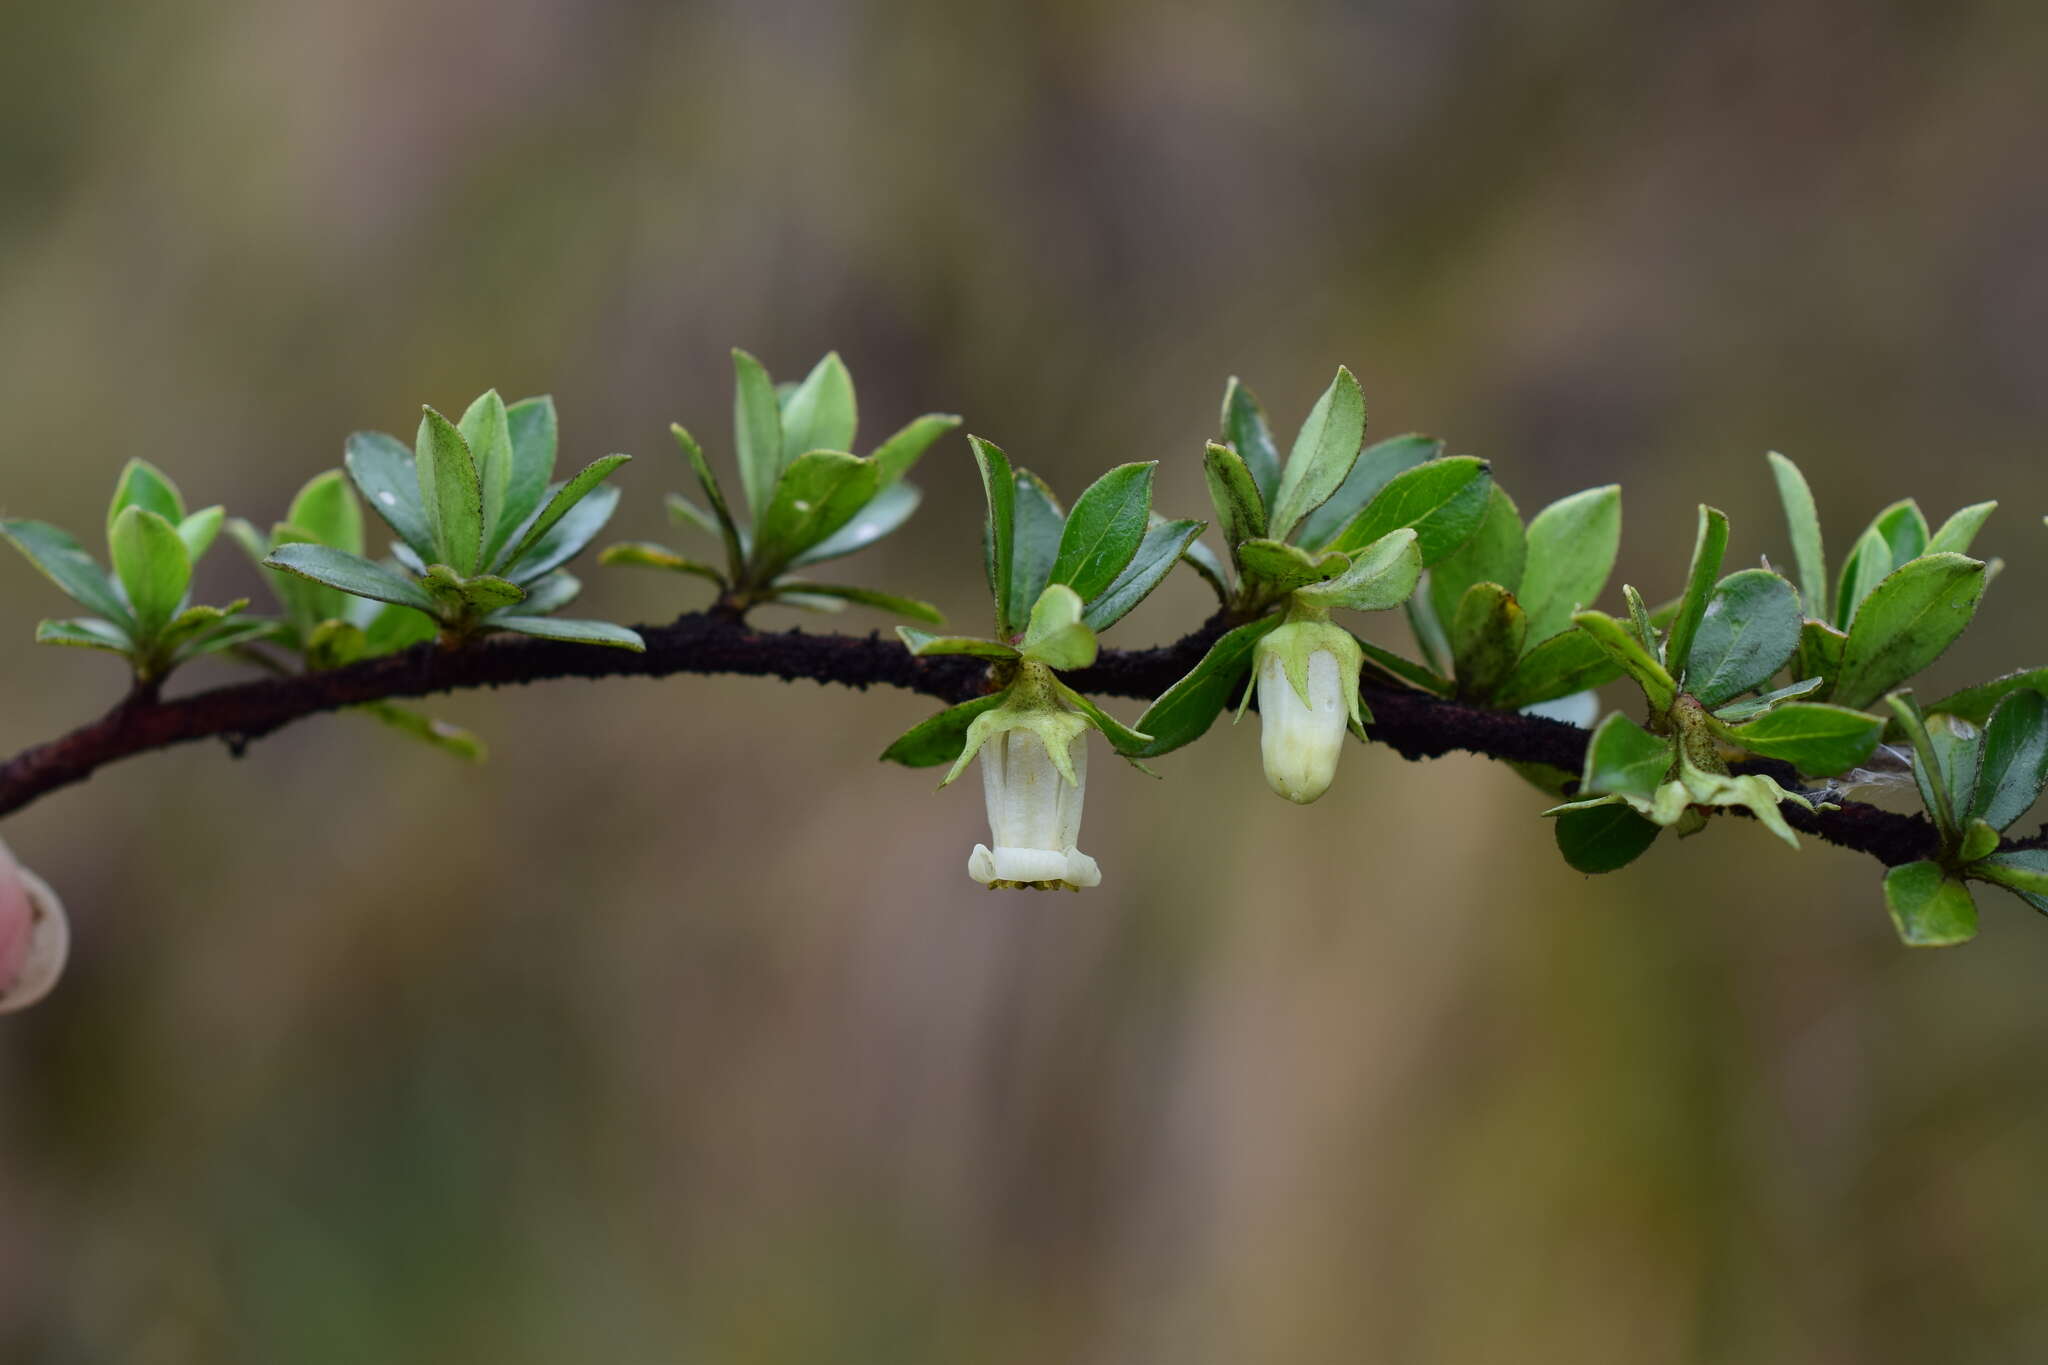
(1306, 632)
(1034, 701)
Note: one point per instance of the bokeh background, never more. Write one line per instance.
(677, 1031)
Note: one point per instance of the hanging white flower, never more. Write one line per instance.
(1307, 674)
(1034, 813)
(35, 936)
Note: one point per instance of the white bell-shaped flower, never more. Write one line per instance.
(1308, 695)
(35, 936)
(1034, 812)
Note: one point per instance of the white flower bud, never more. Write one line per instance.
(1034, 811)
(1308, 693)
(35, 936)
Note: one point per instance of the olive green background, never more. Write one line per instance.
(677, 1032)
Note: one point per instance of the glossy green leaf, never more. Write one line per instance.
(644, 555)
(1748, 631)
(1906, 623)
(1929, 908)
(1496, 553)
(1184, 712)
(1960, 531)
(199, 529)
(2014, 765)
(521, 559)
(64, 562)
(1802, 521)
(535, 432)
(923, 644)
(1820, 652)
(1571, 548)
(1104, 529)
(821, 414)
(1486, 637)
(1444, 500)
(1245, 431)
(450, 493)
(327, 511)
(820, 492)
(1280, 567)
(756, 430)
(1158, 552)
(1748, 708)
(1376, 467)
(153, 566)
(866, 597)
(1930, 763)
(1812, 736)
(487, 430)
(2023, 871)
(567, 538)
(939, 739)
(1622, 758)
(998, 539)
(486, 592)
(1979, 839)
(351, 573)
(87, 632)
(550, 592)
(1380, 577)
(1603, 838)
(143, 485)
(1904, 529)
(1407, 670)
(1621, 645)
(384, 472)
(886, 511)
(1240, 512)
(728, 524)
(1868, 563)
(896, 456)
(1035, 543)
(1975, 704)
(1322, 456)
(572, 631)
(1709, 545)
(1055, 635)
(1568, 662)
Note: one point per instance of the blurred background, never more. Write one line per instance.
(677, 1032)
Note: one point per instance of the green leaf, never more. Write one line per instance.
(756, 430)
(643, 555)
(1104, 529)
(1957, 533)
(1929, 908)
(866, 597)
(883, 513)
(1127, 742)
(1444, 500)
(1621, 645)
(817, 495)
(64, 562)
(895, 456)
(1803, 523)
(924, 644)
(450, 493)
(328, 512)
(1407, 670)
(1056, 635)
(153, 566)
(199, 529)
(384, 472)
(143, 485)
(1736, 712)
(535, 433)
(1280, 567)
(2015, 760)
(682, 512)
(1240, 512)
(1184, 712)
(1204, 561)
(521, 559)
(487, 593)
(2022, 871)
(487, 431)
(1708, 548)
(1868, 563)
(998, 537)
(728, 525)
(1486, 637)
(351, 573)
(1930, 765)
(1906, 623)
(1496, 553)
(1571, 549)
(1624, 759)
(1568, 662)
(224, 637)
(1748, 631)
(1975, 704)
(87, 632)
(1245, 432)
(572, 631)
(1158, 552)
(1035, 545)
(821, 414)
(1813, 736)
(1380, 577)
(1820, 652)
(1979, 840)
(568, 538)
(1603, 838)
(1904, 529)
(939, 739)
(549, 592)
(449, 739)
(1323, 454)
(1376, 467)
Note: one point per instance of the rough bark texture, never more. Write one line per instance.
(1413, 724)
